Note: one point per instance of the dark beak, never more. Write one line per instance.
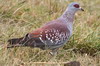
(81, 9)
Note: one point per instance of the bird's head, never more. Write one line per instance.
(74, 6)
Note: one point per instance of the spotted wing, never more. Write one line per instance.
(52, 35)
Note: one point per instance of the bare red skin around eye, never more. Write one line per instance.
(76, 5)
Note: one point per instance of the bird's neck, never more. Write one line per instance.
(67, 18)
(68, 15)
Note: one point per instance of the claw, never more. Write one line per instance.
(54, 52)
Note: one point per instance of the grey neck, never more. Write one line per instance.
(68, 15)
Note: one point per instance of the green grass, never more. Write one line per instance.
(18, 17)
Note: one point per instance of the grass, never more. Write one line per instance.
(18, 17)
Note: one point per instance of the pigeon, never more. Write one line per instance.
(51, 35)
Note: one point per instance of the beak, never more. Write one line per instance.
(81, 9)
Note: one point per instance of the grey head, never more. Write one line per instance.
(74, 6)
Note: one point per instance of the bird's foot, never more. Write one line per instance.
(53, 53)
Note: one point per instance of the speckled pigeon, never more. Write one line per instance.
(53, 34)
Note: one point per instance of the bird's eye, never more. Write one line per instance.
(76, 6)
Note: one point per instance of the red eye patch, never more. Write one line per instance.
(76, 5)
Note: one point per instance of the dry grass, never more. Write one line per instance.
(17, 17)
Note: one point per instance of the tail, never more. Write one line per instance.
(14, 40)
(17, 42)
(26, 42)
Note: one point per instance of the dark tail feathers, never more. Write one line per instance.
(14, 41)
(17, 42)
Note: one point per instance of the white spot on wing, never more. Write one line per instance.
(47, 37)
(41, 39)
(51, 41)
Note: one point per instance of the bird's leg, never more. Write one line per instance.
(54, 52)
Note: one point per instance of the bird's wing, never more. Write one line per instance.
(52, 34)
